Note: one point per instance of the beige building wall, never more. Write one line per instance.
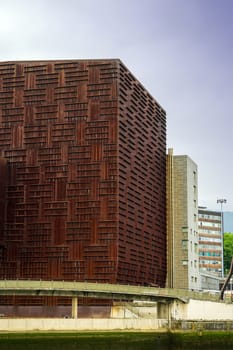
(182, 225)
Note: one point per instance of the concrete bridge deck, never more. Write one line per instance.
(99, 290)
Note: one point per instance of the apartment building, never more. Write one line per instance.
(210, 241)
(182, 224)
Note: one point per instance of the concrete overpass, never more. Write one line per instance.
(99, 290)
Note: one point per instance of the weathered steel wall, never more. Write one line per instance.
(85, 146)
(59, 134)
(142, 187)
(3, 186)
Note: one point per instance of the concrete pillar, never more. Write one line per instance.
(74, 307)
(163, 310)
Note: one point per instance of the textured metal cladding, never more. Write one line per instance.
(58, 122)
(85, 176)
(3, 184)
(142, 174)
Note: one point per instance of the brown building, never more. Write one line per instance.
(85, 146)
(3, 182)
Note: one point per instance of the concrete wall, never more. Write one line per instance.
(177, 310)
(58, 324)
(201, 310)
(134, 310)
(129, 317)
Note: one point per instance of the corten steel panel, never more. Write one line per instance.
(142, 185)
(58, 134)
(85, 145)
(3, 186)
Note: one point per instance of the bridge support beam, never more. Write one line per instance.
(74, 313)
(164, 311)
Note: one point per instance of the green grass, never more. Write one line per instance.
(116, 341)
(82, 341)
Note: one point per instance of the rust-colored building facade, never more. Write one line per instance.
(3, 187)
(84, 146)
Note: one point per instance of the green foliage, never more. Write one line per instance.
(228, 250)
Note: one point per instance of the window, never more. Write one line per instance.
(195, 247)
(194, 176)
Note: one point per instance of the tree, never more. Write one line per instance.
(228, 250)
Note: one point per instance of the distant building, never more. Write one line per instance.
(228, 221)
(210, 241)
(210, 282)
(182, 226)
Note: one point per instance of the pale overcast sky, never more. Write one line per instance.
(181, 51)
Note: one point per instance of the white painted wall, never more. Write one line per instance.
(192, 219)
(201, 310)
(209, 310)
